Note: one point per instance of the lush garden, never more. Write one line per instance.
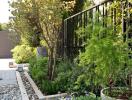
(105, 62)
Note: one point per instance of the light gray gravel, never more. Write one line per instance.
(10, 92)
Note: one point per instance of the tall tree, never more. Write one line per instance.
(39, 16)
(20, 23)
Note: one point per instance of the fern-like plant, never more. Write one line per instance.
(104, 57)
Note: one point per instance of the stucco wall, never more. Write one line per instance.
(5, 45)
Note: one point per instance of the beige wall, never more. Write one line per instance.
(5, 45)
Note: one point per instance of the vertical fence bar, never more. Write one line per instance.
(85, 24)
(97, 16)
(68, 38)
(74, 34)
(84, 19)
(91, 20)
(130, 35)
(103, 15)
(80, 26)
(123, 20)
(114, 19)
(77, 26)
(124, 23)
(65, 39)
(106, 14)
(111, 14)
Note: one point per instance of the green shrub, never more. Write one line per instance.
(38, 69)
(86, 98)
(130, 98)
(63, 75)
(63, 66)
(104, 57)
(62, 81)
(49, 87)
(67, 75)
(23, 53)
(90, 96)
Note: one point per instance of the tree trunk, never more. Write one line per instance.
(54, 63)
(50, 64)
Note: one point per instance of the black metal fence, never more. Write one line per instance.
(73, 43)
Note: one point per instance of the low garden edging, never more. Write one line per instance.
(21, 86)
(39, 93)
(122, 93)
(104, 97)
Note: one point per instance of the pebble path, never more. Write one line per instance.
(10, 92)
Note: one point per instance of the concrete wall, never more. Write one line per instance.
(5, 45)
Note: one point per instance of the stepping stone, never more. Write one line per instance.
(11, 65)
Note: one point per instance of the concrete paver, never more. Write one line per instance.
(8, 75)
(4, 64)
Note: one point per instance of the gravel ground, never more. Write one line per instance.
(30, 92)
(10, 92)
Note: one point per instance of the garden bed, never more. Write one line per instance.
(33, 91)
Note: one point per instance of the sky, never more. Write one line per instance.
(4, 10)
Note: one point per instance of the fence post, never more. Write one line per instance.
(65, 39)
